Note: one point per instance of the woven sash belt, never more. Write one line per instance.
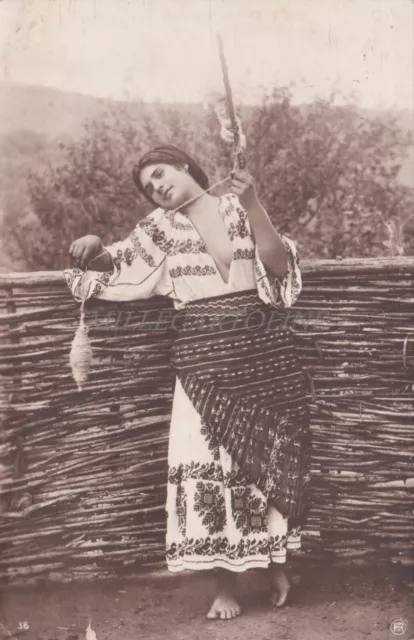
(237, 363)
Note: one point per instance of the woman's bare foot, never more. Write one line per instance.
(225, 605)
(280, 586)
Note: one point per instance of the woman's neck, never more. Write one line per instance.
(202, 203)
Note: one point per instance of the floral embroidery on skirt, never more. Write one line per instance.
(215, 518)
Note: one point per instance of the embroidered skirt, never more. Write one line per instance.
(239, 459)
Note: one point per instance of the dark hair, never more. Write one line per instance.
(168, 154)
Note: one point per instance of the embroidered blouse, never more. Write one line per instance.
(165, 255)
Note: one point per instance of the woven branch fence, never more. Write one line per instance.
(83, 473)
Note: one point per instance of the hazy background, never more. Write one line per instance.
(87, 85)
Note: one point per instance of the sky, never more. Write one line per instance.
(166, 49)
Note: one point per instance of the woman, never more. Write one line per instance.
(239, 439)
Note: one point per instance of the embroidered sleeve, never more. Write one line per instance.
(139, 266)
(279, 293)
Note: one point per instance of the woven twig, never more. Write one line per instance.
(96, 460)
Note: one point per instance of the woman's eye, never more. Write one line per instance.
(159, 173)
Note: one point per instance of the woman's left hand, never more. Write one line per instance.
(242, 184)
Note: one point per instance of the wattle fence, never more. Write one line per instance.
(83, 473)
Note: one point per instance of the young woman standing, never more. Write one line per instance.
(239, 448)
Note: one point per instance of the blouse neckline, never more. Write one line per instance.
(203, 243)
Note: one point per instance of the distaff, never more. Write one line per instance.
(271, 249)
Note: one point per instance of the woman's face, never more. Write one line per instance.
(169, 186)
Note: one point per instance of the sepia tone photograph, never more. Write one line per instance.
(207, 319)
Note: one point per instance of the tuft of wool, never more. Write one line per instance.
(90, 633)
(81, 352)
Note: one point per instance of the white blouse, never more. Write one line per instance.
(165, 255)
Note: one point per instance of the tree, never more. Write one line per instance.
(326, 174)
(329, 174)
(91, 189)
(20, 151)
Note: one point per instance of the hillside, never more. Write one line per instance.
(44, 110)
(55, 113)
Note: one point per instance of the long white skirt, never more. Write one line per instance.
(215, 518)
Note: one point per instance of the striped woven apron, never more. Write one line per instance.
(237, 362)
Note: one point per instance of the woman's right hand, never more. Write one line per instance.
(84, 249)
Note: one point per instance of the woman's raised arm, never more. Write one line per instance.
(270, 246)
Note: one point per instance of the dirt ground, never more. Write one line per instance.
(326, 603)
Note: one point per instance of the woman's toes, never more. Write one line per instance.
(279, 598)
(224, 608)
(235, 611)
(281, 588)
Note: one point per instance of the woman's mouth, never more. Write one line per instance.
(167, 194)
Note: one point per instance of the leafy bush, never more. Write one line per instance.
(325, 174)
